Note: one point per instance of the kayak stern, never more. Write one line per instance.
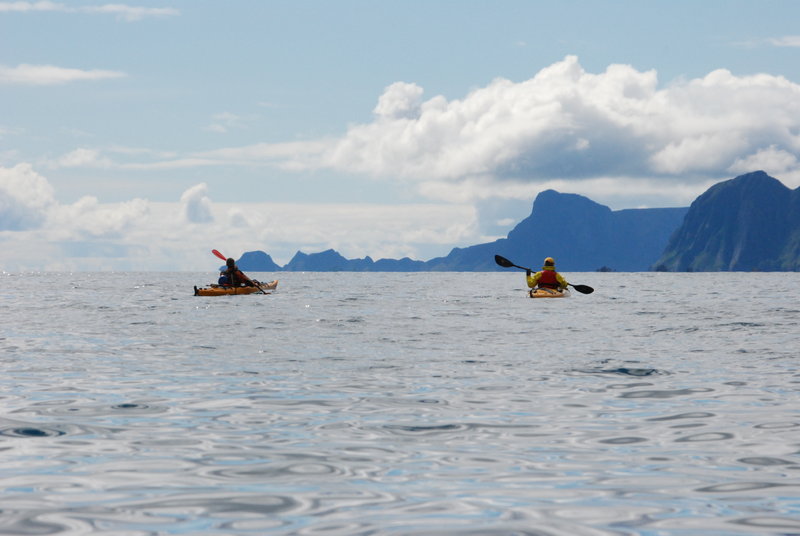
(548, 293)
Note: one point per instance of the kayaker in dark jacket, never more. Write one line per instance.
(548, 277)
(235, 276)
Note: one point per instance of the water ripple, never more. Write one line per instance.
(29, 431)
(657, 407)
(426, 429)
(665, 393)
(708, 436)
(736, 487)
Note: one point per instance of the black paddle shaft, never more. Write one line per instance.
(505, 263)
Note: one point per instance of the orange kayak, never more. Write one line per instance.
(225, 290)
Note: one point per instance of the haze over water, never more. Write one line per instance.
(427, 403)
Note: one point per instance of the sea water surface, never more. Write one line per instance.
(403, 404)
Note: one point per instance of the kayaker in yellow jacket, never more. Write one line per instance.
(548, 277)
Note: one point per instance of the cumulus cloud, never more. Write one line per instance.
(27, 201)
(617, 136)
(122, 11)
(25, 197)
(565, 123)
(562, 126)
(776, 162)
(562, 122)
(400, 101)
(89, 219)
(39, 233)
(48, 75)
(237, 218)
(196, 205)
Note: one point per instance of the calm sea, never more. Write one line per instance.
(402, 404)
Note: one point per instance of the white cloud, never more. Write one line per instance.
(561, 122)
(356, 230)
(610, 136)
(288, 155)
(48, 75)
(196, 205)
(563, 125)
(237, 218)
(82, 157)
(89, 219)
(130, 13)
(25, 197)
(122, 11)
(5, 131)
(223, 122)
(27, 201)
(38, 233)
(786, 41)
(22, 7)
(774, 161)
(400, 101)
(216, 127)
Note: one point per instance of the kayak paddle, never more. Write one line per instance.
(583, 289)
(224, 258)
(505, 263)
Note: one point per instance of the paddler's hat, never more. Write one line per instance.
(549, 261)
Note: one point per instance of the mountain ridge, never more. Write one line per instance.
(722, 230)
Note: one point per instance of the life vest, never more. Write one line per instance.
(235, 277)
(242, 279)
(548, 279)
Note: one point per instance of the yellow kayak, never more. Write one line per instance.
(225, 290)
(548, 293)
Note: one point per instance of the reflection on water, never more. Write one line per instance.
(399, 403)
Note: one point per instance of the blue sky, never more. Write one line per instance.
(138, 136)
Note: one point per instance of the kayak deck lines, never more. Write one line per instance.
(548, 293)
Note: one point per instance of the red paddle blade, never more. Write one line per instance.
(218, 254)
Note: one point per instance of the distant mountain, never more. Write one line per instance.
(582, 236)
(257, 261)
(331, 261)
(748, 223)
